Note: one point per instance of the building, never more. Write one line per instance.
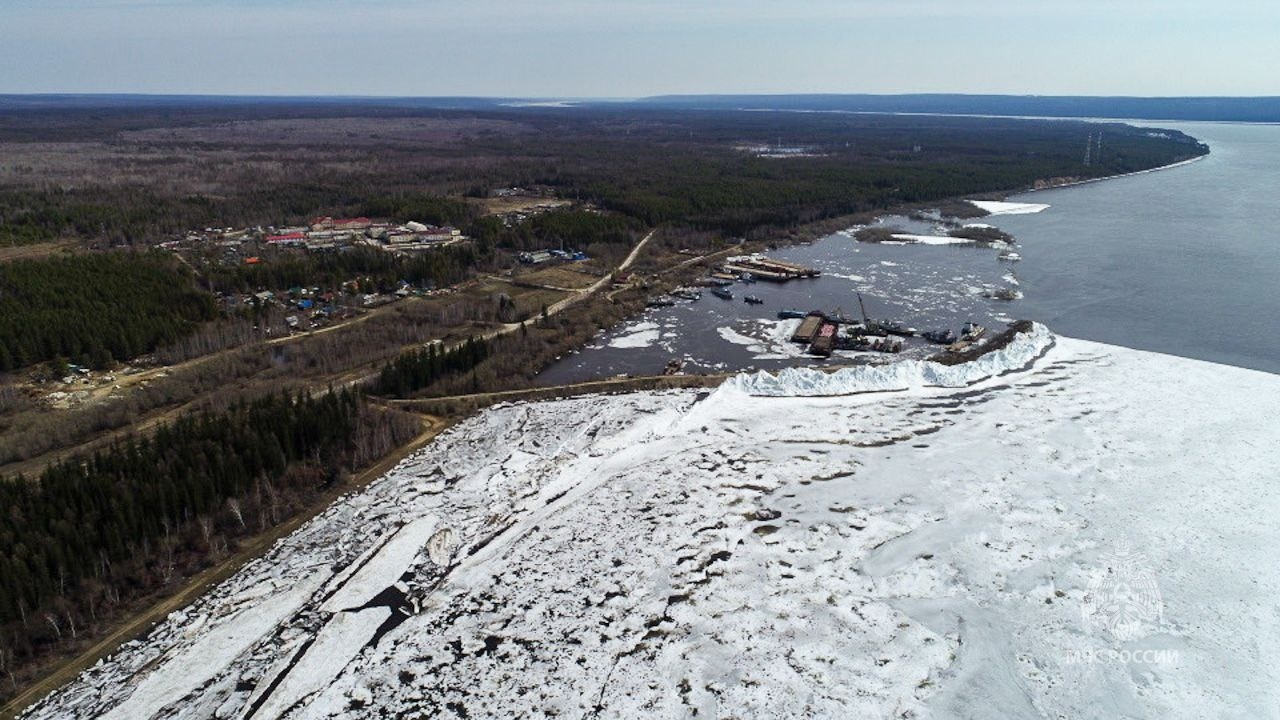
(535, 257)
(294, 238)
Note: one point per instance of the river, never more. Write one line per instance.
(1184, 260)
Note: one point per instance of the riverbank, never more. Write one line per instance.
(924, 549)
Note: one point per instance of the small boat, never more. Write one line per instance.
(753, 300)
(747, 277)
(660, 302)
(686, 294)
(864, 329)
(972, 331)
(882, 327)
(893, 327)
(939, 337)
(722, 293)
(791, 314)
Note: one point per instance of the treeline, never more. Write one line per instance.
(422, 207)
(92, 309)
(657, 165)
(853, 165)
(91, 533)
(574, 229)
(439, 267)
(422, 368)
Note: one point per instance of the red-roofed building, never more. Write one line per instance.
(296, 238)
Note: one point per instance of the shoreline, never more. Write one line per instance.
(1076, 183)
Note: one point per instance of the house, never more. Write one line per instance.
(294, 238)
(360, 223)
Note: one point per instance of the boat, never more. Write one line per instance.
(880, 327)
(660, 302)
(686, 294)
(939, 337)
(972, 331)
(722, 293)
(838, 317)
(753, 300)
(893, 327)
(791, 314)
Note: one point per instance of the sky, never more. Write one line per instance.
(636, 48)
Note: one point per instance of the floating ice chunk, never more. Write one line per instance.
(994, 207)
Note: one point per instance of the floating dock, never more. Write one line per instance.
(808, 328)
(824, 342)
(763, 268)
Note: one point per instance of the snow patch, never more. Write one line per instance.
(994, 207)
(639, 335)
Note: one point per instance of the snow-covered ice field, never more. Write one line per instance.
(1066, 530)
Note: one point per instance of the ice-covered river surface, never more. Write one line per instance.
(924, 286)
(1014, 538)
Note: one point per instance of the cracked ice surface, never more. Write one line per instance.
(911, 553)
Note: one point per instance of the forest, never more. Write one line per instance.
(95, 309)
(417, 369)
(93, 533)
(139, 176)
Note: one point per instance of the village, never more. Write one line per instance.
(322, 234)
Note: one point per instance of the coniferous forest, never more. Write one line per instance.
(417, 369)
(92, 533)
(92, 309)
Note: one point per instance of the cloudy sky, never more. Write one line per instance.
(629, 48)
